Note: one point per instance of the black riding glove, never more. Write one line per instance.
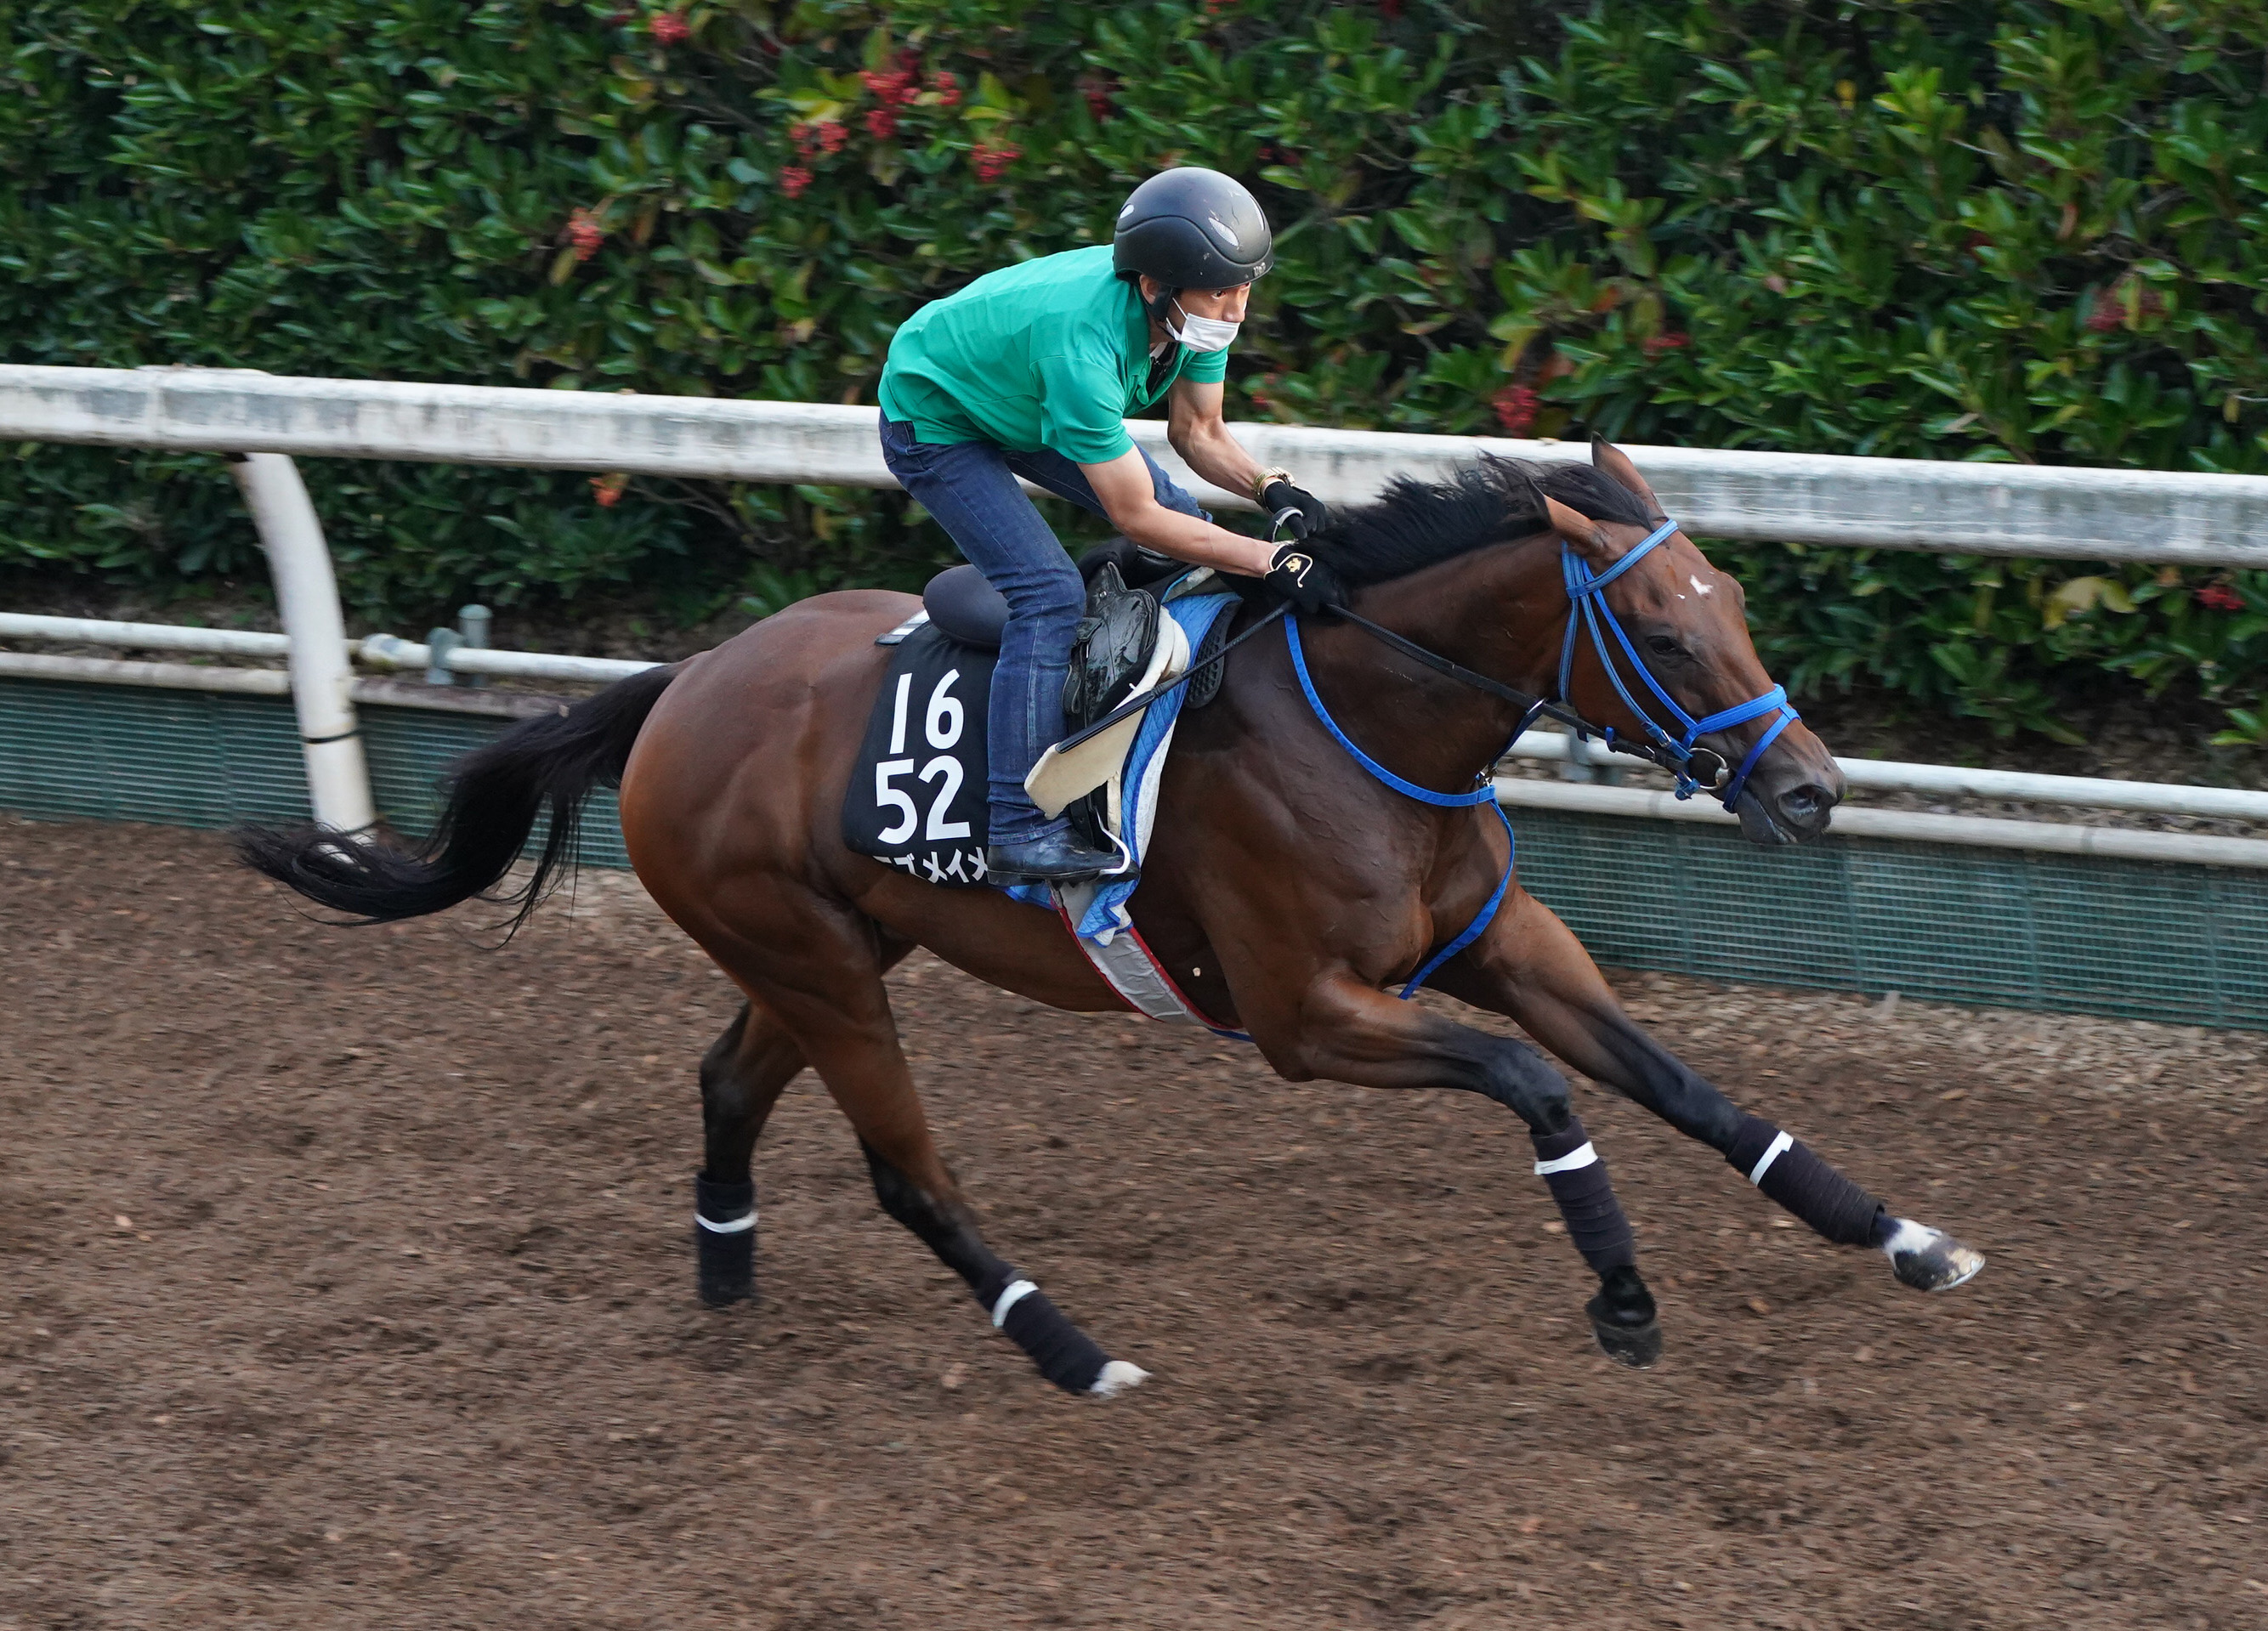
(1307, 583)
(1293, 511)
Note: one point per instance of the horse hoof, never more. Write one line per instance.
(1639, 1346)
(1930, 1259)
(1636, 1345)
(1119, 1378)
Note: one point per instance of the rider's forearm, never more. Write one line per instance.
(1200, 543)
(1218, 457)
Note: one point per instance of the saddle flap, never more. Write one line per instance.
(1062, 778)
(1116, 640)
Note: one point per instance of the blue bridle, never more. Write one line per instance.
(1587, 608)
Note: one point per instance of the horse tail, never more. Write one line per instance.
(495, 795)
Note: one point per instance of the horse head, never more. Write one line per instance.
(1658, 648)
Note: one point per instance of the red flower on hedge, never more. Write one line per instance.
(793, 179)
(832, 136)
(893, 87)
(1670, 342)
(993, 161)
(669, 28)
(2221, 598)
(881, 123)
(607, 489)
(1098, 90)
(948, 89)
(1515, 408)
(585, 233)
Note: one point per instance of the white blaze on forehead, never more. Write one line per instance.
(1700, 588)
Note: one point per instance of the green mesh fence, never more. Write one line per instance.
(2183, 945)
(187, 758)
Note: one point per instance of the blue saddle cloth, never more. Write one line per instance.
(1105, 915)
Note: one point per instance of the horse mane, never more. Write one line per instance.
(1417, 524)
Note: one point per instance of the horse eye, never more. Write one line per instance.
(1662, 645)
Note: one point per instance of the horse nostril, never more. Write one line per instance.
(1805, 802)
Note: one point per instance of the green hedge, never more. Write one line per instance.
(2028, 231)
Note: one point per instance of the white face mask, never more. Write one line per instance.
(1203, 333)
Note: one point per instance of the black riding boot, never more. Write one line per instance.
(1057, 858)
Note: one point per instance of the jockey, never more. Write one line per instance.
(1029, 371)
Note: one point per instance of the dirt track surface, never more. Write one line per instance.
(344, 1280)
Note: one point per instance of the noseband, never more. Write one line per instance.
(1586, 611)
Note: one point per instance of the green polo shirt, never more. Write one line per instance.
(1053, 353)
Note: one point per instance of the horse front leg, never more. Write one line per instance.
(1348, 1031)
(1531, 967)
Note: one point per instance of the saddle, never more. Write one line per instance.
(928, 723)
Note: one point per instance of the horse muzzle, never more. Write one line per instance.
(1790, 805)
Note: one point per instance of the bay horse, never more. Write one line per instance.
(1300, 865)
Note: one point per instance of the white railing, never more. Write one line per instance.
(262, 419)
(1811, 498)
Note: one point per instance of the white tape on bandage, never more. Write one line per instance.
(1017, 1291)
(1567, 1163)
(1778, 1147)
(738, 1226)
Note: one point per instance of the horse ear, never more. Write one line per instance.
(1612, 462)
(1582, 535)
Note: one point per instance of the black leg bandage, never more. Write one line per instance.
(1793, 1175)
(1566, 1161)
(1065, 1354)
(1062, 1351)
(725, 1240)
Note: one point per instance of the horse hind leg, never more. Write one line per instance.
(742, 1075)
(831, 1001)
(937, 1214)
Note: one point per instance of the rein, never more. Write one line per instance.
(1586, 611)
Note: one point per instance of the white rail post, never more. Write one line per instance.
(307, 594)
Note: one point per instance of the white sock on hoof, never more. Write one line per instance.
(1117, 1377)
(1935, 1261)
(1911, 1236)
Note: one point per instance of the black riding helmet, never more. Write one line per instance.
(1192, 229)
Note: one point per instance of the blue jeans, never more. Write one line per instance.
(970, 488)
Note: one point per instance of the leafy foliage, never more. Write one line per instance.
(2013, 229)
